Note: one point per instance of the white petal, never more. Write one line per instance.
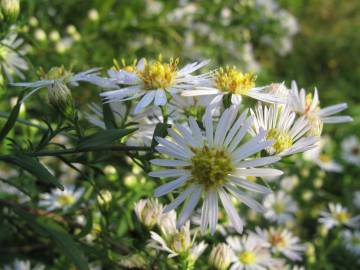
(160, 97)
(170, 163)
(169, 173)
(189, 207)
(330, 110)
(179, 199)
(251, 186)
(259, 172)
(146, 100)
(231, 211)
(166, 188)
(250, 202)
(258, 162)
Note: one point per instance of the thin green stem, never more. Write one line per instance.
(124, 148)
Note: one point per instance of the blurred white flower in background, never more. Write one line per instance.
(283, 241)
(249, 253)
(338, 216)
(145, 121)
(12, 62)
(280, 207)
(351, 241)
(23, 265)
(59, 199)
(323, 160)
(351, 150)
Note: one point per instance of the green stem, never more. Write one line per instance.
(123, 148)
(164, 114)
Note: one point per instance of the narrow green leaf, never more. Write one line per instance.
(108, 116)
(104, 137)
(160, 131)
(33, 166)
(11, 120)
(57, 234)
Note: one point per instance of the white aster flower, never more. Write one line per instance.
(351, 241)
(176, 241)
(221, 256)
(338, 216)
(283, 241)
(351, 150)
(250, 253)
(230, 81)
(280, 207)
(148, 211)
(288, 183)
(146, 122)
(153, 82)
(23, 265)
(281, 125)
(309, 106)
(323, 160)
(11, 57)
(59, 199)
(213, 165)
(57, 79)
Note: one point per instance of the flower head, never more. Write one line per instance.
(213, 165)
(153, 81)
(283, 241)
(308, 105)
(59, 199)
(231, 81)
(351, 150)
(279, 207)
(11, 57)
(283, 128)
(338, 216)
(249, 253)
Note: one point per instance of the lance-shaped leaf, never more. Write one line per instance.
(34, 167)
(57, 234)
(104, 137)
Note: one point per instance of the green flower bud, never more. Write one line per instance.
(60, 97)
(10, 9)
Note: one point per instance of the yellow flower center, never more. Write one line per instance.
(282, 140)
(247, 257)
(316, 125)
(277, 240)
(279, 207)
(325, 158)
(158, 74)
(229, 79)
(65, 200)
(210, 167)
(342, 216)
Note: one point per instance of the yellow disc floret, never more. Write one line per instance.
(342, 217)
(210, 167)
(282, 140)
(247, 257)
(159, 74)
(65, 200)
(229, 79)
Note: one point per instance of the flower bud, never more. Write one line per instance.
(60, 97)
(10, 9)
(220, 257)
(148, 212)
(104, 197)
